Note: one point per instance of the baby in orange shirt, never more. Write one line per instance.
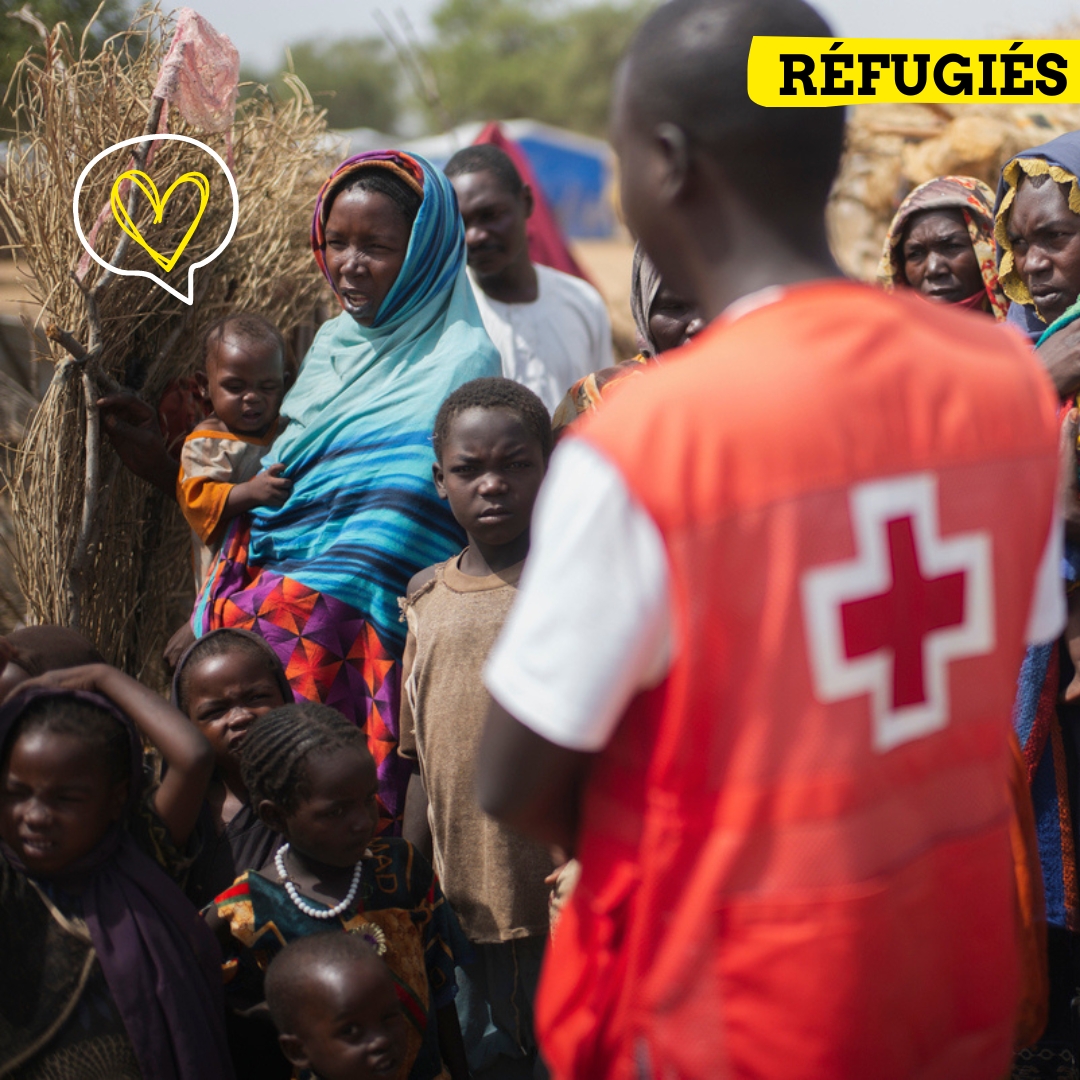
(221, 472)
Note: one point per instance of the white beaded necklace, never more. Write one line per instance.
(303, 905)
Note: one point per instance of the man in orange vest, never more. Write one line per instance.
(759, 674)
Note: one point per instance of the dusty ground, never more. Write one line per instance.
(607, 262)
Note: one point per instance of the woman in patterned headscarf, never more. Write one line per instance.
(941, 243)
(663, 321)
(319, 577)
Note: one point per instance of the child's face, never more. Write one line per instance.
(246, 384)
(56, 801)
(335, 822)
(226, 694)
(352, 1026)
(490, 470)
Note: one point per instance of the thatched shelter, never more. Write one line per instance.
(94, 546)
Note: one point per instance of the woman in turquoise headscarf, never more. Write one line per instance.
(319, 577)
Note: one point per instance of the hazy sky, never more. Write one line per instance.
(260, 29)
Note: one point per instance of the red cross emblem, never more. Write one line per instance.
(889, 622)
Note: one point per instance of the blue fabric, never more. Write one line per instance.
(363, 508)
(1029, 688)
(1064, 151)
(1054, 856)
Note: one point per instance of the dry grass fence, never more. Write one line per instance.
(92, 545)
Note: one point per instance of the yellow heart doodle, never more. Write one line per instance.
(147, 186)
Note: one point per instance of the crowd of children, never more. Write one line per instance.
(124, 816)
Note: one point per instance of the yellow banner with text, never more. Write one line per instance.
(814, 71)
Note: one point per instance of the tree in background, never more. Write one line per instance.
(499, 59)
(354, 79)
(17, 35)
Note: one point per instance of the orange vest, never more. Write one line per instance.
(795, 850)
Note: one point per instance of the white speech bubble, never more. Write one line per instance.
(189, 298)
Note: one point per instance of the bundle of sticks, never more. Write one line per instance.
(95, 547)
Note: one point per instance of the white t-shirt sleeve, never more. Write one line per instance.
(1047, 617)
(591, 625)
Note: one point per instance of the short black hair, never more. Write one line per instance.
(289, 972)
(246, 327)
(276, 748)
(218, 644)
(495, 393)
(97, 727)
(687, 66)
(383, 182)
(487, 157)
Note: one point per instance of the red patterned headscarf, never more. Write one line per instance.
(402, 165)
(976, 202)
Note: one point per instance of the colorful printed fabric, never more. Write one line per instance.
(586, 394)
(321, 575)
(331, 654)
(156, 959)
(401, 912)
(976, 202)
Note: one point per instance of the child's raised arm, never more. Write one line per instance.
(187, 754)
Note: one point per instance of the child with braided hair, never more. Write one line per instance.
(311, 778)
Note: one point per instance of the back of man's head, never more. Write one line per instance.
(687, 66)
(486, 157)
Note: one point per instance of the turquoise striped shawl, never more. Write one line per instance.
(363, 515)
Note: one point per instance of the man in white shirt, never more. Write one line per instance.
(550, 328)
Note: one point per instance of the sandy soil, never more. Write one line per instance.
(607, 262)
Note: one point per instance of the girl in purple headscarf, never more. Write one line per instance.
(108, 969)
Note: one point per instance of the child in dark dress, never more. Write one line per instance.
(107, 968)
(310, 776)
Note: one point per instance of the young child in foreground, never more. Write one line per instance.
(107, 967)
(223, 684)
(245, 379)
(311, 777)
(492, 442)
(336, 1009)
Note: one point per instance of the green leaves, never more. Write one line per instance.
(355, 79)
(499, 59)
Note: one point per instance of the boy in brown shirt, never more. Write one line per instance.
(492, 442)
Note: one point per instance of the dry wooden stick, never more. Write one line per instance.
(66, 340)
(80, 564)
(142, 152)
